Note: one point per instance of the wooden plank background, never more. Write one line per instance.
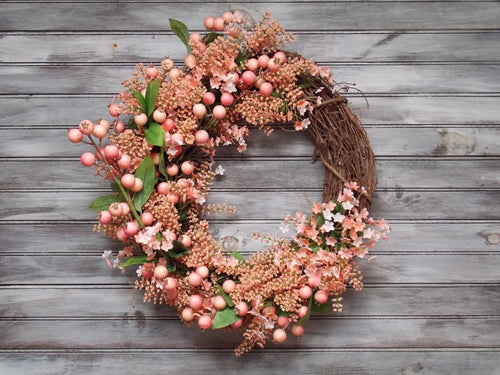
(431, 305)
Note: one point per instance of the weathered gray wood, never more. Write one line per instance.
(392, 141)
(362, 47)
(41, 111)
(117, 302)
(370, 78)
(395, 269)
(411, 237)
(335, 16)
(272, 174)
(391, 204)
(365, 361)
(138, 332)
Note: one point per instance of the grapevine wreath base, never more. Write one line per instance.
(161, 167)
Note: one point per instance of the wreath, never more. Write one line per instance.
(161, 166)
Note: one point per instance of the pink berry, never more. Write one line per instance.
(171, 283)
(162, 188)
(138, 185)
(119, 126)
(147, 218)
(115, 209)
(219, 24)
(263, 60)
(228, 16)
(241, 308)
(177, 139)
(273, 65)
(279, 335)
(252, 64)
(259, 82)
(186, 240)
(195, 279)
(159, 115)
(248, 77)
(151, 72)
(302, 311)
(266, 89)
(219, 112)
(156, 158)
(183, 183)
(283, 321)
(190, 61)
(187, 167)
(305, 292)
(173, 197)
(128, 180)
(187, 314)
(195, 37)
(75, 135)
(209, 22)
(111, 152)
(121, 235)
(99, 131)
(124, 161)
(104, 123)
(141, 119)
(314, 280)
(205, 322)
(321, 296)
(175, 73)
(114, 110)
(237, 324)
(87, 159)
(125, 209)
(131, 228)
(219, 302)
(172, 169)
(227, 99)
(168, 124)
(105, 217)
(86, 127)
(297, 330)
(203, 271)
(209, 98)
(167, 64)
(172, 294)
(195, 302)
(201, 137)
(199, 110)
(280, 56)
(229, 286)
(161, 272)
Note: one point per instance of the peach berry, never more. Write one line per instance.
(201, 137)
(305, 292)
(161, 272)
(321, 296)
(273, 65)
(241, 308)
(119, 126)
(115, 209)
(86, 127)
(252, 64)
(168, 124)
(228, 16)
(175, 73)
(138, 185)
(128, 180)
(105, 217)
(237, 324)
(187, 167)
(151, 72)
(263, 60)
(114, 110)
(199, 110)
(283, 321)
(229, 286)
(162, 188)
(147, 218)
(205, 322)
(125, 208)
(124, 161)
(171, 283)
(302, 311)
(159, 115)
(172, 169)
(141, 119)
(177, 139)
(131, 228)
(167, 64)
(195, 302)
(297, 330)
(186, 240)
(227, 99)
(187, 314)
(203, 271)
(266, 89)
(87, 159)
(173, 197)
(195, 279)
(190, 61)
(219, 112)
(280, 56)
(121, 235)
(209, 22)
(111, 152)
(279, 335)
(209, 98)
(219, 24)
(219, 302)
(248, 77)
(75, 135)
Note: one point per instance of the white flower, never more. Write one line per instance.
(139, 271)
(327, 214)
(347, 205)
(107, 254)
(284, 227)
(328, 226)
(338, 217)
(219, 170)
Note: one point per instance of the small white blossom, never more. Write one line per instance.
(338, 217)
(219, 170)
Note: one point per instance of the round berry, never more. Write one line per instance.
(248, 77)
(279, 335)
(86, 127)
(141, 119)
(201, 137)
(172, 169)
(195, 302)
(125, 209)
(219, 112)
(168, 124)
(104, 123)
(237, 324)
(195, 37)
(138, 185)
(121, 235)
(283, 321)
(302, 311)
(187, 314)
(219, 302)
(209, 98)
(203, 271)
(190, 61)
(99, 131)
(124, 161)
(114, 110)
(187, 167)
(167, 64)
(177, 139)
(199, 110)
(159, 115)
(209, 22)
(273, 65)
(186, 240)
(314, 280)
(119, 126)
(151, 72)
(205, 322)
(105, 217)
(174, 73)
(305, 292)
(75, 135)
(195, 279)
(171, 284)
(262, 61)
(111, 152)
(266, 89)
(161, 272)
(280, 56)
(115, 209)
(252, 64)
(131, 228)
(173, 197)
(147, 218)
(162, 188)
(219, 24)
(228, 16)
(297, 330)
(229, 286)
(87, 159)
(128, 180)
(241, 308)
(321, 296)
(227, 99)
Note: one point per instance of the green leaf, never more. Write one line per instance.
(209, 38)
(178, 250)
(161, 165)
(146, 172)
(224, 318)
(275, 94)
(155, 134)
(141, 259)
(320, 220)
(304, 85)
(237, 255)
(151, 95)
(306, 317)
(102, 203)
(131, 124)
(114, 187)
(181, 31)
(141, 99)
(315, 248)
(320, 308)
(226, 297)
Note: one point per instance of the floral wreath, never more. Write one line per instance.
(161, 167)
